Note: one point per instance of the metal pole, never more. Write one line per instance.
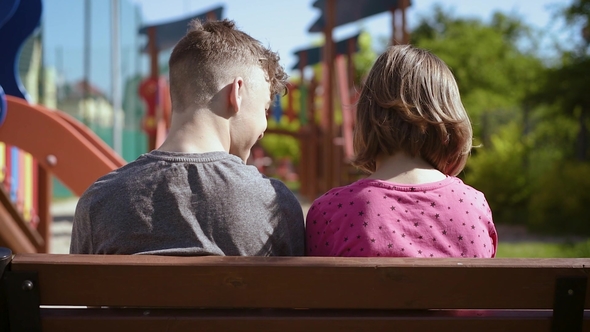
(61, 76)
(134, 121)
(154, 74)
(116, 79)
(87, 43)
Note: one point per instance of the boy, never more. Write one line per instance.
(195, 195)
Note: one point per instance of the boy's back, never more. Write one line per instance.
(188, 204)
(195, 195)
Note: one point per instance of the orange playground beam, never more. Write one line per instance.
(71, 152)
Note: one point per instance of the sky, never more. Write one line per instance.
(283, 24)
(280, 24)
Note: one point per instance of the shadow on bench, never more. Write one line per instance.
(44, 292)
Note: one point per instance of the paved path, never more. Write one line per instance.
(61, 228)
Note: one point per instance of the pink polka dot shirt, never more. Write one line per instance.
(372, 218)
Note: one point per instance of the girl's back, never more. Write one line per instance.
(378, 218)
(413, 136)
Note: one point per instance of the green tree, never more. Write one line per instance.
(363, 60)
(578, 14)
(495, 75)
(560, 200)
(566, 86)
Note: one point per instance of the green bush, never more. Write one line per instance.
(498, 171)
(282, 146)
(561, 203)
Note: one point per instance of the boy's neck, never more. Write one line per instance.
(404, 169)
(196, 132)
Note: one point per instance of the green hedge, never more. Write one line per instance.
(561, 203)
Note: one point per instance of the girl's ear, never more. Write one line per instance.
(236, 94)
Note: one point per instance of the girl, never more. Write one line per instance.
(413, 136)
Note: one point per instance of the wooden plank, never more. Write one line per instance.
(229, 261)
(313, 141)
(11, 234)
(327, 179)
(13, 214)
(299, 282)
(114, 320)
(343, 82)
(45, 194)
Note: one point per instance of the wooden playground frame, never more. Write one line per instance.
(326, 148)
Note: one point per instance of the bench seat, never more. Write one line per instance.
(49, 292)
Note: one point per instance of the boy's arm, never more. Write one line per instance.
(81, 241)
(291, 222)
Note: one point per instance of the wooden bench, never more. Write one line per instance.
(44, 292)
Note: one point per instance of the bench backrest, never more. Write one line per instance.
(155, 293)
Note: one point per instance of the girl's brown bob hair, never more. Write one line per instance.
(410, 103)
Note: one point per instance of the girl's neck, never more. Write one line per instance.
(403, 169)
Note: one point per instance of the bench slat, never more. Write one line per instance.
(114, 320)
(294, 261)
(299, 282)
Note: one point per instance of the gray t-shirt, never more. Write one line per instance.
(168, 203)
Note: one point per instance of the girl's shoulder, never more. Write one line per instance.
(459, 186)
(367, 189)
(359, 186)
(356, 190)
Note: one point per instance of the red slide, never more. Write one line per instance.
(63, 147)
(61, 144)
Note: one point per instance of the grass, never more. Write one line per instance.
(543, 250)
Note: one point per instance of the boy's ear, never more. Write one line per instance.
(236, 94)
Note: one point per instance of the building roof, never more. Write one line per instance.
(348, 11)
(313, 55)
(78, 89)
(169, 33)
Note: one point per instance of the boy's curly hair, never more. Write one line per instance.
(210, 54)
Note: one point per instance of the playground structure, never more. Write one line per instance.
(310, 133)
(326, 145)
(37, 143)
